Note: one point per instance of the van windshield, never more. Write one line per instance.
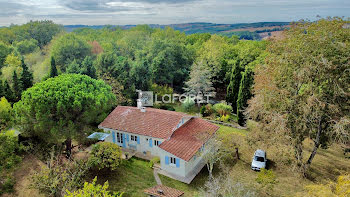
(261, 159)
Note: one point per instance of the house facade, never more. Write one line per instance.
(176, 138)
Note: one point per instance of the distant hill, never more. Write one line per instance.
(251, 31)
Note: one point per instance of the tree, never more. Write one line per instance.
(27, 46)
(226, 185)
(2, 89)
(9, 157)
(87, 67)
(91, 189)
(303, 89)
(63, 108)
(8, 92)
(245, 54)
(244, 94)
(68, 48)
(42, 31)
(5, 113)
(212, 153)
(199, 81)
(26, 78)
(73, 68)
(58, 177)
(5, 50)
(16, 86)
(53, 68)
(105, 155)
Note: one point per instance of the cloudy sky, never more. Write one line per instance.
(121, 12)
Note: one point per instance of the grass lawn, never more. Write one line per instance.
(135, 175)
(132, 177)
(230, 130)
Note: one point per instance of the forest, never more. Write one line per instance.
(57, 86)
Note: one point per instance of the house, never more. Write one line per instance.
(163, 191)
(178, 139)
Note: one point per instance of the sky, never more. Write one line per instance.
(122, 12)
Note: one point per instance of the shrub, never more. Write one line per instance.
(206, 110)
(153, 161)
(91, 189)
(225, 118)
(222, 109)
(7, 186)
(9, 149)
(188, 105)
(105, 155)
(266, 178)
(55, 178)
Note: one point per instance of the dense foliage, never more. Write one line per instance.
(93, 189)
(105, 155)
(9, 158)
(63, 108)
(306, 96)
(58, 177)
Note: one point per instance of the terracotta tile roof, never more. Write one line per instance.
(154, 122)
(167, 191)
(189, 138)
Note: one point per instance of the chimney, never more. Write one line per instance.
(139, 103)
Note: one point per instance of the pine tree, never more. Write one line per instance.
(16, 85)
(26, 77)
(53, 70)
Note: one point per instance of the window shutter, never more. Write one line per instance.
(166, 160)
(138, 139)
(127, 137)
(123, 136)
(177, 162)
(113, 135)
(150, 142)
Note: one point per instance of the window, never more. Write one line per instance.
(173, 160)
(119, 138)
(156, 142)
(134, 138)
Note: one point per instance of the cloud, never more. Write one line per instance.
(115, 5)
(167, 11)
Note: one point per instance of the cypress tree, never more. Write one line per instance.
(26, 77)
(53, 70)
(16, 85)
(2, 91)
(8, 92)
(233, 87)
(244, 94)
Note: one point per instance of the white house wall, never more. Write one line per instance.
(184, 168)
(180, 170)
(144, 145)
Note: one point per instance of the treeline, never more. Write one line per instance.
(127, 60)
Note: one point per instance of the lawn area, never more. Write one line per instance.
(135, 175)
(132, 177)
(228, 130)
